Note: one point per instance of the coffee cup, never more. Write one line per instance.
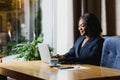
(54, 62)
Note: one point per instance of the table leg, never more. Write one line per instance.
(3, 77)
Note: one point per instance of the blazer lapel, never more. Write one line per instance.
(86, 45)
(78, 45)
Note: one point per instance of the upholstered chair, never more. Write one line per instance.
(111, 52)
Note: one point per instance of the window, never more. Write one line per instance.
(57, 23)
(20, 19)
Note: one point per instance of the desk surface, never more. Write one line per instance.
(37, 70)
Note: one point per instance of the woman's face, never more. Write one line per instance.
(9, 27)
(82, 26)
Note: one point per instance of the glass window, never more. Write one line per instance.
(20, 20)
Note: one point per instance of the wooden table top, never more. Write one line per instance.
(38, 70)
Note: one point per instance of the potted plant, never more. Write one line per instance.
(29, 50)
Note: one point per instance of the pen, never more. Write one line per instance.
(66, 67)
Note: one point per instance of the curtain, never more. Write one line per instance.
(110, 17)
(105, 10)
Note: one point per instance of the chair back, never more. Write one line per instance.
(111, 53)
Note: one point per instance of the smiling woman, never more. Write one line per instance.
(88, 47)
(82, 26)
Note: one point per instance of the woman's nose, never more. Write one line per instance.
(79, 28)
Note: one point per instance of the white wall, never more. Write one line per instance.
(57, 24)
(47, 20)
(103, 17)
(64, 25)
(117, 17)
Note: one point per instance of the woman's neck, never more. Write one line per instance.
(87, 37)
(85, 40)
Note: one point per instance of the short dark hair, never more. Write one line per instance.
(93, 25)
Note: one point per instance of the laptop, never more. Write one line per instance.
(44, 52)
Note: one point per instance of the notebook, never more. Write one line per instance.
(44, 52)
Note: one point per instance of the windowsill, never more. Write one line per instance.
(11, 58)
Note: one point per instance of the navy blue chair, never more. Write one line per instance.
(111, 52)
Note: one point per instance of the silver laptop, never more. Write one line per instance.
(44, 52)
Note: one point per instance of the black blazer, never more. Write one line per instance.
(90, 53)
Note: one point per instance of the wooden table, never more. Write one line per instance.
(37, 70)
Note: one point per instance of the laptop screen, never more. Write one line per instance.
(44, 52)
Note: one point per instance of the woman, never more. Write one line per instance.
(9, 30)
(88, 47)
(13, 29)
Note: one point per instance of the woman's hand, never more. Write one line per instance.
(60, 57)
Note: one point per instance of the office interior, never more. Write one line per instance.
(59, 19)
